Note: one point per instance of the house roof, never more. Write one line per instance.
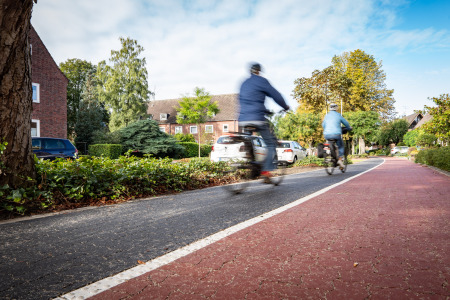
(411, 118)
(228, 106)
(424, 120)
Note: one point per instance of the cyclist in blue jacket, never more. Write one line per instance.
(252, 95)
(332, 129)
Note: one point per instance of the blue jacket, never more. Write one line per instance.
(252, 95)
(332, 123)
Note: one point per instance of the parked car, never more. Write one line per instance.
(290, 152)
(51, 148)
(226, 149)
(399, 149)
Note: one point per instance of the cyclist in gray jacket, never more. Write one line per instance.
(332, 129)
(252, 95)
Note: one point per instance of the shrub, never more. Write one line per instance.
(107, 150)
(310, 161)
(437, 157)
(191, 149)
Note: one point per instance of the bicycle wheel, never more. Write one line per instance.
(279, 174)
(240, 175)
(329, 163)
(345, 161)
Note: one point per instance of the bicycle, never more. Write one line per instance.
(331, 155)
(249, 169)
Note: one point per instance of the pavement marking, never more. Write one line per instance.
(110, 282)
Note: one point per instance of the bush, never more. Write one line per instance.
(107, 150)
(191, 149)
(310, 161)
(185, 137)
(438, 157)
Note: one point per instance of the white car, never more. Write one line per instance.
(227, 149)
(399, 149)
(290, 152)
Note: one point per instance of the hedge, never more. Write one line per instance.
(106, 150)
(436, 157)
(191, 149)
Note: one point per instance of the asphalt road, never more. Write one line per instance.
(46, 257)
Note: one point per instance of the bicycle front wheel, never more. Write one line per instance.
(345, 161)
(329, 164)
(279, 174)
(240, 175)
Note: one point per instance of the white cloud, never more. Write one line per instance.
(209, 43)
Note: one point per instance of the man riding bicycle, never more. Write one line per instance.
(332, 130)
(252, 95)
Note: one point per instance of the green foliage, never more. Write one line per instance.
(310, 161)
(410, 138)
(437, 157)
(146, 137)
(302, 127)
(123, 86)
(426, 140)
(185, 137)
(86, 180)
(77, 71)
(191, 149)
(106, 150)
(103, 136)
(440, 123)
(392, 132)
(196, 110)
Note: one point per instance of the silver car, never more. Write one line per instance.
(228, 149)
(290, 152)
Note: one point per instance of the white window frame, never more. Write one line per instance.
(162, 129)
(209, 128)
(38, 92)
(193, 130)
(178, 129)
(162, 117)
(38, 127)
(225, 128)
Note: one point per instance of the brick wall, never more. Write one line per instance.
(52, 109)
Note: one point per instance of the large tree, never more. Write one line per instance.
(77, 71)
(123, 85)
(196, 110)
(365, 126)
(304, 128)
(440, 124)
(17, 163)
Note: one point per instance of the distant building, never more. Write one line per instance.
(165, 113)
(49, 116)
(413, 120)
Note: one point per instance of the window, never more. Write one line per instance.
(35, 128)
(208, 128)
(193, 129)
(36, 92)
(178, 129)
(225, 127)
(162, 129)
(162, 117)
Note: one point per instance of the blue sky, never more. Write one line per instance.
(209, 44)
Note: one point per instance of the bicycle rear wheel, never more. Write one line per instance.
(329, 164)
(279, 174)
(242, 174)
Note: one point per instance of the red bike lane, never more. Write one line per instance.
(382, 235)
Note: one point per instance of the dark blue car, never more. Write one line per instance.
(51, 148)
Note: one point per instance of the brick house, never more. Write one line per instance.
(49, 116)
(164, 112)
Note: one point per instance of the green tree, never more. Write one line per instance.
(77, 71)
(440, 124)
(324, 86)
(123, 86)
(368, 91)
(392, 132)
(304, 128)
(91, 115)
(426, 139)
(146, 137)
(365, 126)
(16, 104)
(410, 138)
(196, 110)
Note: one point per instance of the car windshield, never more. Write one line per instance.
(284, 145)
(227, 140)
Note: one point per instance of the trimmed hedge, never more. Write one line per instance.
(436, 157)
(191, 149)
(106, 150)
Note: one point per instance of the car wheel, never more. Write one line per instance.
(294, 160)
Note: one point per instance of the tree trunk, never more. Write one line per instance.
(16, 104)
(199, 144)
(362, 146)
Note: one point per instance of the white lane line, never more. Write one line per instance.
(109, 282)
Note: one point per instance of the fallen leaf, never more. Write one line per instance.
(355, 264)
(141, 262)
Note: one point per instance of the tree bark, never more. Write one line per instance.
(16, 104)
